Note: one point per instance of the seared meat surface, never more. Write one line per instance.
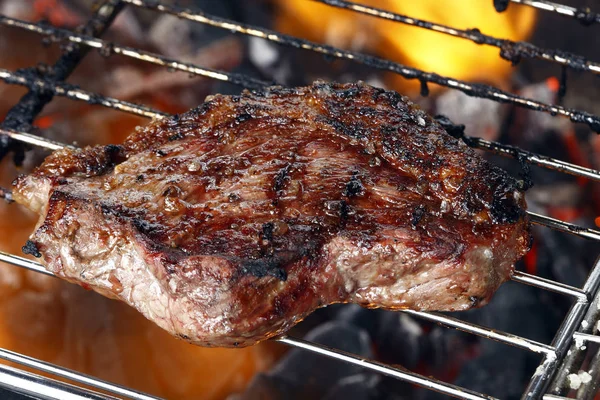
(230, 223)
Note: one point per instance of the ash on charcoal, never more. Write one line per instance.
(301, 374)
(481, 117)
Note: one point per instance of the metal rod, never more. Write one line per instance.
(40, 387)
(472, 89)
(499, 336)
(532, 158)
(74, 93)
(24, 263)
(510, 50)
(586, 17)
(429, 383)
(548, 284)
(562, 226)
(73, 375)
(586, 337)
(153, 58)
(34, 140)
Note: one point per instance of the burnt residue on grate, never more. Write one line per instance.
(21, 116)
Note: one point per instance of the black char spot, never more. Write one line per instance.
(417, 215)
(176, 136)
(31, 248)
(280, 178)
(354, 187)
(266, 266)
(242, 117)
(267, 231)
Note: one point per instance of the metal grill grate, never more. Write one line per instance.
(557, 359)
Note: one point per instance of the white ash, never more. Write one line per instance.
(15, 9)
(376, 81)
(585, 377)
(579, 343)
(262, 53)
(411, 325)
(167, 30)
(574, 381)
(481, 117)
(537, 123)
(598, 326)
(584, 324)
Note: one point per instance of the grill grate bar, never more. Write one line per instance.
(575, 356)
(562, 226)
(487, 333)
(73, 376)
(74, 93)
(472, 89)
(24, 263)
(429, 383)
(549, 285)
(586, 337)
(585, 16)
(532, 158)
(509, 50)
(41, 387)
(6, 195)
(111, 48)
(34, 140)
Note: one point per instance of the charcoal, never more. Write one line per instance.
(366, 319)
(562, 257)
(399, 339)
(355, 387)
(265, 387)
(501, 370)
(301, 374)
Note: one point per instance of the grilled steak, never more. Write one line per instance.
(230, 223)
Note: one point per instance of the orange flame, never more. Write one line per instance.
(424, 49)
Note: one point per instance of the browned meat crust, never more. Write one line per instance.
(230, 223)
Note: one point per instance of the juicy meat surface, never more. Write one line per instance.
(230, 223)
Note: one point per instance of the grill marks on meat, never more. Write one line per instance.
(230, 223)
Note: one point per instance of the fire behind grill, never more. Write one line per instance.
(562, 357)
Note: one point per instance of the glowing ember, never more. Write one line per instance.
(416, 47)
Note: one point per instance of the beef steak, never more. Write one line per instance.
(230, 223)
